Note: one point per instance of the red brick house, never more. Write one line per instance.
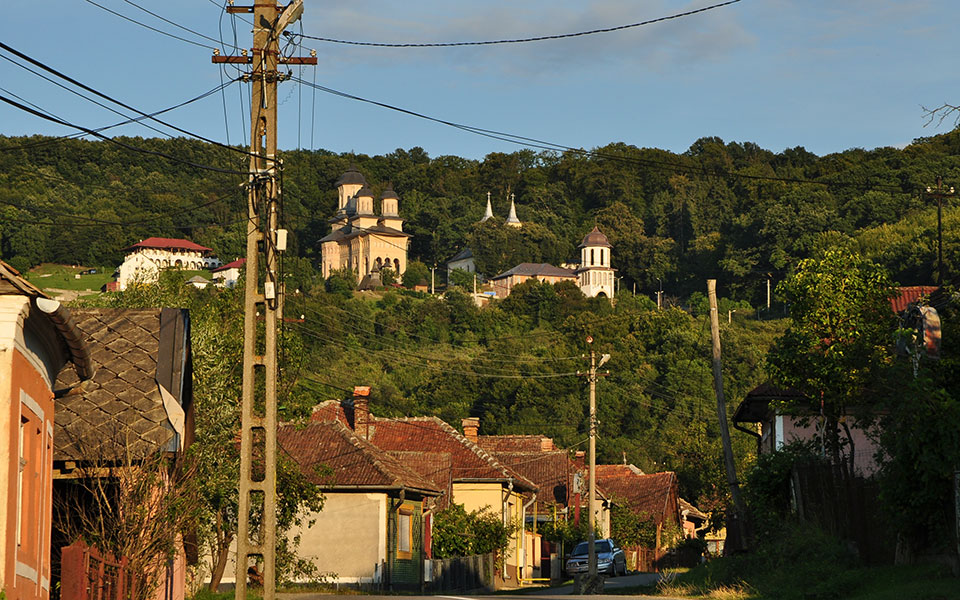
(37, 337)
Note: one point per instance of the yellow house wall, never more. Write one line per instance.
(477, 496)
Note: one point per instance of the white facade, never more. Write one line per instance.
(143, 263)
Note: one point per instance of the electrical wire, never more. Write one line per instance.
(539, 38)
(124, 145)
(83, 86)
(59, 139)
(154, 29)
(175, 24)
(554, 147)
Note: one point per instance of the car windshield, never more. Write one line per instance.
(599, 546)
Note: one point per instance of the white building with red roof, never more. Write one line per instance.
(228, 274)
(148, 257)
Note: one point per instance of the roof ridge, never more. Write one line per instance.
(483, 454)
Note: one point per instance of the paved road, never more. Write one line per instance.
(554, 593)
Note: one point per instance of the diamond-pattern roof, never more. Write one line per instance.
(121, 406)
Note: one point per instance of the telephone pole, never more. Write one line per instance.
(939, 193)
(740, 513)
(592, 502)
(258, 426)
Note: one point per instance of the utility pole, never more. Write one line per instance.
(940, 194)
(592, 502)
(258, 426)
(768, 293)
(432, 269)
(739, 511)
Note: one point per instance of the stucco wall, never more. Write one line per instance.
(348, 536)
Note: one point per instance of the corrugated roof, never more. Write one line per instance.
(910, 294)
(168, 244)
(537, 270)
(352, 460)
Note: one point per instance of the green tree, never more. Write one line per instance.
(415, 273)
(840, 336)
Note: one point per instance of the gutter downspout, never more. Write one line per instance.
(506, 520)
(427, 513)
(523, 536)
(738, 427)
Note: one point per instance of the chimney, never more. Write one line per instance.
(546, 444)
(361, 410)
(578, 458)
(470, 427)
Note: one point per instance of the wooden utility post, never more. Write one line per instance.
(592, 502)
(739, 510)
(258, 428)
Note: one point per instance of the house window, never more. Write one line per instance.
(601, 257)
(21, 466)
(405, 533)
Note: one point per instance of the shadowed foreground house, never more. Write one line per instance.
(37, 337)
(138, 403)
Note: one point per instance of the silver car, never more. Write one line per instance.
(610, 559)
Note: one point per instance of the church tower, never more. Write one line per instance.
(595, 276)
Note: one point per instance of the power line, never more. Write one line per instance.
(554, 147)
(154, 29)
(124, 145)
(515, 40)
(175, 24)
(53, 71)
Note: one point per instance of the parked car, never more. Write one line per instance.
(610, 558)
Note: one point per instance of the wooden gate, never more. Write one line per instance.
(87, 574)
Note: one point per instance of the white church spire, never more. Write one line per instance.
(512, 219)
(489, 212)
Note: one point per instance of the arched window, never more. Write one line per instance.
(601, 257)
(591, 258)
(396, 266)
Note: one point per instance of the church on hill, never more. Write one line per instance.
(361, 240)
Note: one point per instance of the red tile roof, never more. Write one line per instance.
(654, 494)
(910, 294)
(430, 434)
(515, 443)
(552, 472)
(168, 244)
(354, 462)
(237, 264)
(436, 467)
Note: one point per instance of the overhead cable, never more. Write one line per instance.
(539, 38)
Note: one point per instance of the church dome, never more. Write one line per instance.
(389, 193)
(595, 238)
(351, 177)
(365, 192)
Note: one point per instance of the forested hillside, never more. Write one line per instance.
(727, 210)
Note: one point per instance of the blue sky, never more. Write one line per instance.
(826, 75)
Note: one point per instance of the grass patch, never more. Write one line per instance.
(205, 594)
(806, 564)
(64, 277)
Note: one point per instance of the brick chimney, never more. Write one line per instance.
(546, 444)
(361, 410)
(471, 425)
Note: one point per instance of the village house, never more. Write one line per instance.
(137, 406)
(475, 479)
(654, 495)
(371, 498)
(146, 258)
(227, 276)
(563, 495)
(361, 240)
(37, 337)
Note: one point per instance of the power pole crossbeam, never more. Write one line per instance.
(257, 541)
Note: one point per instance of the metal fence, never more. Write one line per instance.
(461, 574)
